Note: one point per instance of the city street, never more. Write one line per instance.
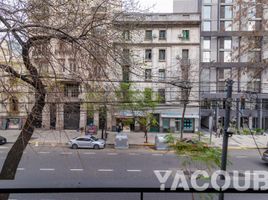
(45, 166)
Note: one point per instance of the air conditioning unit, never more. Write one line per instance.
(178, 57)
(154, 36)
(180, 35)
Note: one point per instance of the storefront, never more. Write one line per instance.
(172, 122)
(11, 123)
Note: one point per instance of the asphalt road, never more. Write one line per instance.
(63, 167)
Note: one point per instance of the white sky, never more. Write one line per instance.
(164, 6)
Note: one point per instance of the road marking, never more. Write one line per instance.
(133, 170)
(76, 169)
(241, 156)
(43, 152)
(105, 170)
(133, 154)
(112, 154)
(66, 153)
(47, 169)
(20, 169)
(89, 153)
(3, 147)
(157, 154)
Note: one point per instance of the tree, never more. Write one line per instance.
(32, 34)
(141, 104)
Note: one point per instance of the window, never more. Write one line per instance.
(162, 54)
(71, 90)
(224, 74)
(206, 43)
(148, 54)
(206, 26)
(14, 105)
(126, 35)
(162, 35)
(185, 54)
(226, 25)
(162, 95)
(148, 94)
(207, 1)
(227, 44)
(226, 12)
(207, 12)
(206, 56)
(251, 25)
(188, 125)
(61, 62)
(227, 56)
(148, 74)
(166, 124)
(226, 1)
(252, 12)
(185, 34)
(72, 65)
(148, 35)
(162, 74)
(126, 56)
(126, 71)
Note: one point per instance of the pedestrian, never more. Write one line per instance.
(218, 132)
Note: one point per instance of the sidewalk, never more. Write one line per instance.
(53, 138)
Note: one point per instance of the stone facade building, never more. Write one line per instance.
(160, 46)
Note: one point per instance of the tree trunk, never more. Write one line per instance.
(14, 156)
(182, 119)
(146, 136)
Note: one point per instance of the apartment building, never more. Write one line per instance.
(160, 46)
(71, 72)
(234, 46)
(13, 93)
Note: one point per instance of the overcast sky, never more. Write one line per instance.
(158, 5)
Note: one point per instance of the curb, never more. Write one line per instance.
(149, 145)
(61, 144)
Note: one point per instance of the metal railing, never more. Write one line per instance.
(140, 191)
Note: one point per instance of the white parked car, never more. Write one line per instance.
(86, 142)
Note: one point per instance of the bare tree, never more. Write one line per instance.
(33, 33)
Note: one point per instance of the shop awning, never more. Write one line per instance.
(129, 114)
(178, 115)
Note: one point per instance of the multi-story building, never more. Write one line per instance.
(14, 94)
(161, 47)
(234, 46)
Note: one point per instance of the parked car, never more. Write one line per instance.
(87, 141)
(3, 140)
(265, 156)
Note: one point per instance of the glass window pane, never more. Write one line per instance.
(207, 12)
(227, 56)
(162, 74)
(162, 54)
(206, 26)
(148, 35)
(206, 44)
(148, 74)
(162, 34)
(186, 34)
(228, 12)
(228, 25)
(227, 44)
(207, 1)
(148, 54)
(251, 25)
(206, 56)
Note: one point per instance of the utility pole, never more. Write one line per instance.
(226, 126)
